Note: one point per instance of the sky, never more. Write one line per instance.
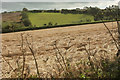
(55, 0)
(119, 4)
(109, 2)
(100, 3)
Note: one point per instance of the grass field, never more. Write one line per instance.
(12, 22)
(39, 19)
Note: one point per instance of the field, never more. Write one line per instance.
(71, 38)
(11, 17)
(39, 19)
(12, 22)
(8, 19)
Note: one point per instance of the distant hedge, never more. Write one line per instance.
(46, 27)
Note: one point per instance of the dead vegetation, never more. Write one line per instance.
(66, 55)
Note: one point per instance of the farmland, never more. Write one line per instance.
(86, 44)
(11, 17)
(8, 18)
(13, 22)
(43, 45)
(39, 19)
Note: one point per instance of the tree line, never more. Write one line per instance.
(109, 13)
(25, 20)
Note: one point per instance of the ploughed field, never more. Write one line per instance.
(11, 17)
(69, 40)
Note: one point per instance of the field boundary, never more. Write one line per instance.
(47, 27)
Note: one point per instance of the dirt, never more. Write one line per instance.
(11, 17)
(72, 39)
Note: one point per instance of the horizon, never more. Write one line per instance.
(18, 6)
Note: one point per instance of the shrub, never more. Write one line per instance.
(25, 9)
(56, 24)
(25, 19)
(26, 22)
(81, 20)
(10, 26)
(24, 15)
(50, 24)
(88, 20)
(45, 24)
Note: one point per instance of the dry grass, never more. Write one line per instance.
(60, 52)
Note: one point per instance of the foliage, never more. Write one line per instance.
(26, 22)
(50, 24)
(24, 15)
(92, 10)
(25, 19)
(10, 26)
(25, 9)
(109, 13)
(25, 28)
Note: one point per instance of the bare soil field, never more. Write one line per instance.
(11, 17)
(69, 40)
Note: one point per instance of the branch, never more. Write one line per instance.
(34, 58)
(7, 63)
(115, 41)
(23, 56)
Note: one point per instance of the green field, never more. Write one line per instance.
(39, 19)
(42, 20)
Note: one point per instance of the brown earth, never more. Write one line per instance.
(43, 46)
(11, 17)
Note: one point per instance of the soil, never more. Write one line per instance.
(11, 17)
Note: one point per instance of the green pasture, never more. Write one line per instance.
(40, 19)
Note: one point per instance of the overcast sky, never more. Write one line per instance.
(55, 0)
(114, 2)
(99, 3)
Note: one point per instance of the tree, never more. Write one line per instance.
(25, 9)
(99, 15)
(24, 15)
(25, 19)
(26, 22)
(92, 10)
